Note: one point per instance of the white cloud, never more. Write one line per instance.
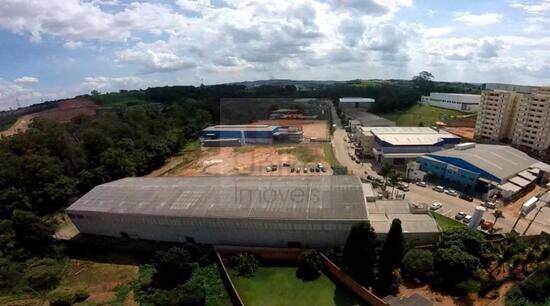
(71, 44)
(26, 80)
(478, 20)
(532, 7)
(13, 94)
(105, 84)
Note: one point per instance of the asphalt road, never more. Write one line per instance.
(450, 205)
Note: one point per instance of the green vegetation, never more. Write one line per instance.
(390, 258)
(310, 265)
(534, 290)
(277, 286)
(245, 264)
(329, 155)
(420, 115)
(446, 223)
(359, 255)
(417, 265)
(304, 154)
(66, 296)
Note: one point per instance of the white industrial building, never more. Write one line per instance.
(459, 102)
(314, 211)
(356, 102)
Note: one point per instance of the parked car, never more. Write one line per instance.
(421, 184)
(298, 170)
(451, 192)
(460, 215)
(439, 188)
(467, 219)
(323, 169)
(286, 165)
(268, 169)
(311, 169)
(435, 206)
(305, 169)
(466, 197)
(371, 178)
(486, 225)
(317, 169)
(488, 204)
(379, 180)
(403, 186)
(292, 170)
(357, 161)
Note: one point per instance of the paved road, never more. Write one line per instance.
(451, 205)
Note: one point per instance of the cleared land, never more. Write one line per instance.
(246, 160)
(277, 286)
(317, 129)
(420, 114)
(464, 132)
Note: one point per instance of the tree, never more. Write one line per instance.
(246, 264)
(310, 265)
(453, 266)
(392, 251)
(32, 233)
(497, 214)
(173, 268)
(417, 265)
(424, 81)
(360, 253)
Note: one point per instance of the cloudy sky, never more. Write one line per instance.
(59, 48)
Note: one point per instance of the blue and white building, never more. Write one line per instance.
(238, 134)
(483, 169)
(399, 145)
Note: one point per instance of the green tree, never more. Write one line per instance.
(32, 233)
(360, 253)
(173, 268)
(417, 265)
(310, 265)
(11, 199)
(394, 247)
(246, 264)
(497, 214)
(453, 266)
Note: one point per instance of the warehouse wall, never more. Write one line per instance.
(245, 232)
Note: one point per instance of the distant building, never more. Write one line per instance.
(459, 102)
(399, 145)
(518, 114)
(285, 113)
(365, 118)
(235, 135)
(356, 102)
(483, 168)
(271, 211)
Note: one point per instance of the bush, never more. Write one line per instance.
(65, 296)
(246, 264)
(453, 266)
(417, 265)
(43, 274)
(310, 265)
(173, 268)
(186, 295)
(10, 273)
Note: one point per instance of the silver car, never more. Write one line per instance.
(435, 206)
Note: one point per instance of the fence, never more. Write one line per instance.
(233, 294)
(361, 291)
(266, 254)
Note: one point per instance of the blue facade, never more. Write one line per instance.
(234, 133)
(454, 170)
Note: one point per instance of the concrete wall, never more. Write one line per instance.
(218, 231)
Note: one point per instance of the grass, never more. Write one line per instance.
(215, 292)
(446, 223)
(189, 153)
(329, 155)
(304, 154)
(420, 114)
(278, 286)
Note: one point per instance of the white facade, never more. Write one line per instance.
(459, 102)
(356, 102)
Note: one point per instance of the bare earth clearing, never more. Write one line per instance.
(317, 129)
(247, 160)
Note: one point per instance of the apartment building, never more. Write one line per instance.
(519, 114)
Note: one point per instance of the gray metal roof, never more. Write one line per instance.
(241, 127)
(382, 213)
(366, 118)
(265, 197)
(499, 160)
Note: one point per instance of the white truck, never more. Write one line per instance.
(529, 205)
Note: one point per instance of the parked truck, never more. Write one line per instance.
(529, 205)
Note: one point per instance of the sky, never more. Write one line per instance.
(51, 49)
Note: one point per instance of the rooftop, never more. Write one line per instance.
(356, 99)
(254, 127)
(382, 213)
(409, 135)
(499, 160)
(366, 118)
(266, 197)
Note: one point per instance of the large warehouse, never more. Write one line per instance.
(484, 168)
(460, 102)
(314, 211)
(237, 135)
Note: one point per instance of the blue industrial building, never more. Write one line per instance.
(238, 134)
(482, 168)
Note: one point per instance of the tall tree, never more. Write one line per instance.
(394, 247)
(173, 268)
(360, 253)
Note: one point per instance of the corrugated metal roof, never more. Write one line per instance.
(266, 197)
(356, 99)
(397, 135)
(498, 160)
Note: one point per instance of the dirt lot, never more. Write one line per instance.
(312, 128)
(64, 112)
(464, 132)
(247, 160)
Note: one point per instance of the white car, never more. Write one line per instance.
(467, 219)
(439, 188)
(421, 184)
(489, 204)
(451, 192)
(435, 206)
